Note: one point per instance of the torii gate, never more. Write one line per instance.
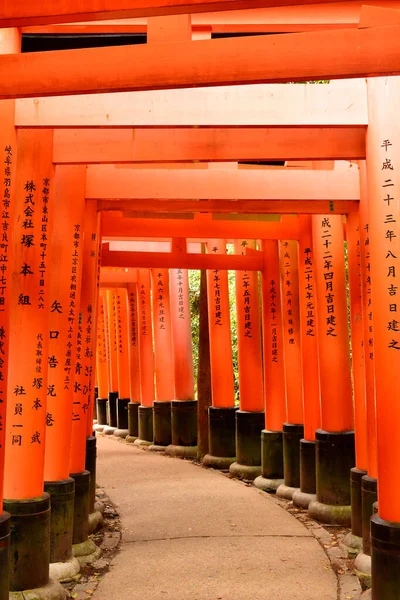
(385, 39)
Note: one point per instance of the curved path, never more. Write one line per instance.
(190, 533)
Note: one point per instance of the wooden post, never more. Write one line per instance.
(274, 376)
(123, 362)
(145, 413)
(293, 430)
(65, 283)
(250, 417)
(10, 42)
(383, 140)
(164, 362)
(112, 362)
(204, 394)
(184, 406)
(222, 451)
(27, 384)
(310, 367)
(335, 440)
(102, 364)
(134, 357)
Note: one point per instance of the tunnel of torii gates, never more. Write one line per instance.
(108, 199)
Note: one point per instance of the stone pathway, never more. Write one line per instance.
(190, 533)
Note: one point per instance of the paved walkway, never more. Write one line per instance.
(192, 534)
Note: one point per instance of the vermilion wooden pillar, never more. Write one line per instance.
(65, 282)
(274, 376)
(164, 362)
(293, 429)
(357, 316)
(250, 417)
(184, 407)
(124, 384)
(383, 181)
(112, 363)
(28, 352)
(10, 42)
(134, 357)
(145, 418)
(369, 473)
(335, 440)
(102, 363)
(310, 366)
(85, 378)
(221, 415)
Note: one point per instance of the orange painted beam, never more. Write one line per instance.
(372, 16)
(314, 55)
(19, 13)
(154, 260)
(117, 276)
(203, 227)
(340, 103)
(107, 182)
(287, 19)
(178, 208)
(223, 144)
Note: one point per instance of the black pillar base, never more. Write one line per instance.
(356, 476)
(4, 554)
(145, 426)
(335, 458)
(122, 418)
(112, 409)
(29, 542)
(183, 429)
(248, 447)
(90, 465)
(271, 461)
(385, 553)
(95, 396)
(369, 495)
(292, 434)
(221, 438)
(307, 492)
(101, 404)
(81, 507)
(62, 494)
(161, 425)
(133, 422)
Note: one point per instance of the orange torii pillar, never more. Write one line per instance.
(221, 415)
(250, 417)
(124, 384)
(367, 488)
(357, 319)
(10, 42)
(383, 181)
(310, 366)
(27, 387)
(134, 358)
(335, 455)
(102, 370)
(164, 361)
(65, 281)
(184, 406)
(113, 362)
(145, 411)
(293, 430)
(274, 375)
(89, 301)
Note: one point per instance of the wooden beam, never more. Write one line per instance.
(223, 144)
(314, 55)
(143, 209)
(337, 104)
(287, 19)
(17, 13)
(105, 182)
(200, 228)
(168, 260)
